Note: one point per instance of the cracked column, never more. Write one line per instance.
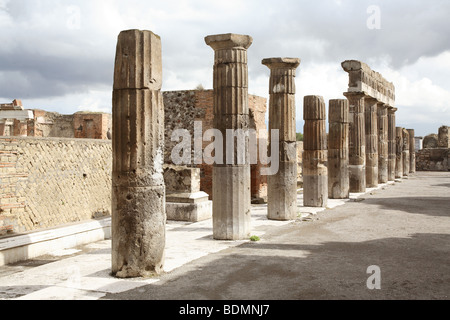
(405, 152)
(315, 173)
(338, 180)
(357, 142)
(138, 197)
(231, 181)
(399, 152)
(392, 144)
(371, 128)
(282, 186)
(412, 151)
(383, 152)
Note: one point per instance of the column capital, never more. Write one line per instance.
(392, 109)
(355, 95)
(229, 41)
(281, 63)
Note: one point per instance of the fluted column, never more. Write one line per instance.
(399, 152)
(138, 195)
(371, 128)
(315, 173)
(338, 138)
(357, 141)
(392, 144)
(412, 151)
(383, 151)
(405, 153)
(282, 186)
(231, 181)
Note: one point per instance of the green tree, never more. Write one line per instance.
(299, 136)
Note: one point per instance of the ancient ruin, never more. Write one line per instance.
(412, 151)
(231, 182)
(315, 172)
(399, 152)
(367, 92)
(383, 138)
(338, 178)
(282, 186)
(405, 152)
(138, 201)
(435, 155)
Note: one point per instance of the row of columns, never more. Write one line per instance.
(333, 166)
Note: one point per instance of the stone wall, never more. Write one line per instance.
(433, 159)
(47, 182)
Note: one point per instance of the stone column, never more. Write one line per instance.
(405, 152)
(357, 141)
(371, 126)
(282, 186)
(338, 180)
(20, 128)
(383, 150)
(315, 173)
(138, 196)
(231, 181)
(412, 151)
(399, 150)
(392, 144)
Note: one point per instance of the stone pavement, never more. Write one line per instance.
(403, 228)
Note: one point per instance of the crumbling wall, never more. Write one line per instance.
(435, 155)
(47, 182)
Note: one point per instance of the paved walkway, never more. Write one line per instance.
(403, 229)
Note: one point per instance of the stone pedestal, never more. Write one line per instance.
(399, 152)
(315, 173)
(231, 181)
(405, 152)
(138, 191)
(392, 144)
(282, 186)
(371, 126)
(412, 151)
(338, 178)
(357, 141)
(184, 200)
(383, 151)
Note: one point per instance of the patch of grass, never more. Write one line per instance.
(255, 238)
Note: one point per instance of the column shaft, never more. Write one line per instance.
(338, 138)
(371, 128)
(315, 173)
(405, 153)
(399, 151)
(412, 151)
(392, 144)
(282, 186)
(138, 196)
(383, 150)
(357, 141)
(231, 181)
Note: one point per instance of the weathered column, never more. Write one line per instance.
(405, 152)
(412, 151)
(282, 186)
(392, 144)
(383, 152)
(315, 173)
(371, 128)
(399, 151)
(338, 179)
(357, 142)
(138, 197)
(231, 181)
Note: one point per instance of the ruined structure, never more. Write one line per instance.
(231, 182)
(367, 92)
(138, 201)
(383, 144)
(338, 178)
(392, 144)
(435, 155)
(315, 173)
(14, 119)
(282, 186)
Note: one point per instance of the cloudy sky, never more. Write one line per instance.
(59, 55)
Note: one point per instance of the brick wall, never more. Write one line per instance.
(47, 182)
